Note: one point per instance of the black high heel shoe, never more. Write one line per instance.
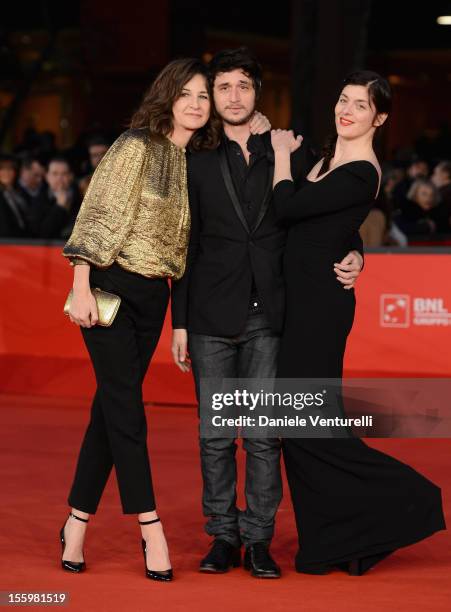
(161, 575)
(71, 566)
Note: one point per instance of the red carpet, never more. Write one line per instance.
(40, 441)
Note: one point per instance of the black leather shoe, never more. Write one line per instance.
(221, 558)
(259, 562)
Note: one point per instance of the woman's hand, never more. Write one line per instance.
(180, 349)
(83, 308)
(348, 269)
(285, 140)
(259, 124)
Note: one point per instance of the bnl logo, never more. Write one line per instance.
(395, 310)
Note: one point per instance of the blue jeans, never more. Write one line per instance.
(251, 354)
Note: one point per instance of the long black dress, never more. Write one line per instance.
(350, 500)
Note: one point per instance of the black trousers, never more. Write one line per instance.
(117, 432)
(251, 354)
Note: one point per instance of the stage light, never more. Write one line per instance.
(444, 20)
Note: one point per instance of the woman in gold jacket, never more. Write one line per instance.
(130, 237)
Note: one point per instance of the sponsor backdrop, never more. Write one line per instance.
(403, 317)
(402, 326)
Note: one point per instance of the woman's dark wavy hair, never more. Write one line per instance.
(379, 92)
(155, 111)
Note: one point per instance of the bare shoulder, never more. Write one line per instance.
(375, 162)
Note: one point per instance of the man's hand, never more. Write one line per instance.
(259, 124)
(348, 269)
(180, 349)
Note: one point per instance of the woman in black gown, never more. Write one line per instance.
(353, 504)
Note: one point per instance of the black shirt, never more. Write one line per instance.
(250, 181)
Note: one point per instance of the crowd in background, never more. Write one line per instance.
(41, 190)
(413, 205)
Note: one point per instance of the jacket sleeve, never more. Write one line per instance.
(180, 288)
(302, 161)
(357, 245)
(357, 185)
(109, 206)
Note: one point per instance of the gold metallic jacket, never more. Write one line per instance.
(136, 210)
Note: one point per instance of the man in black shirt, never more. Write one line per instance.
(249, 179)
(229, 306)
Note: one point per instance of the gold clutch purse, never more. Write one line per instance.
(107, 305)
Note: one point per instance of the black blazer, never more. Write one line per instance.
(213, 295)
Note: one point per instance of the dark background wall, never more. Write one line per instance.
(74, 67)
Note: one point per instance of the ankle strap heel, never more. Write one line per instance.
(157, 520)
(78, 518)
(158, 575)
(76, 567)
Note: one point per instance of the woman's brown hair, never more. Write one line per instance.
(155, 111)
